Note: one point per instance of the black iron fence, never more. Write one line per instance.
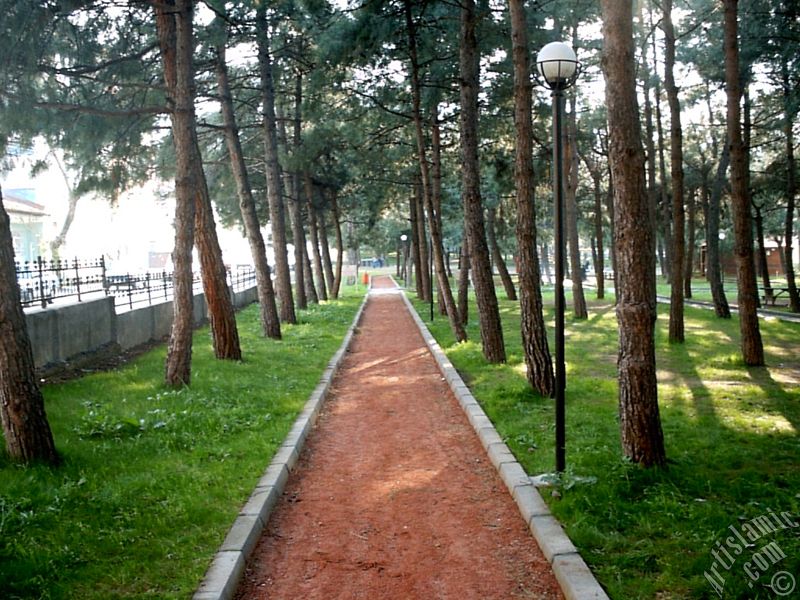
(42, 282)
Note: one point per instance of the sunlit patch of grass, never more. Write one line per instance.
(154, 477)
(731, 434)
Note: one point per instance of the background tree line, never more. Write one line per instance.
(345, 123)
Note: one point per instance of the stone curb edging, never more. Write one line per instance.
(227, 567)
(573, 574)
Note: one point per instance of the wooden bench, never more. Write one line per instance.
(771, 294)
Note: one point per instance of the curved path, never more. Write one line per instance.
(393, 496)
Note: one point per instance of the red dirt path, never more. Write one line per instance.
(393, 496)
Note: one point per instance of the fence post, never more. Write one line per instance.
(39, 263)
(77, 279)
(130, 292)
(103, 267)
(147, 284)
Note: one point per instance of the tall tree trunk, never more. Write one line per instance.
(546, 264)
(291, 189)
(678, 267)
(663, 211)
(293, 193)
(308, 276)
(789, 112)
(599, 264)
(422, 189)
(283, 278)
(298, 233)
(713, 264)
(222, 317)
(571, 202)
(270, 322)
(325, 249)
(72, 203)
(463, 280)
(174, 27)
(337, 229)
(761, 259)
(423, 273)
(313, 231)
(538, 362)
(490, 325)
(299, 242)
(225, 335)
(610, 195)
(650, 147)
(640, 423)
(497, 254)
(747, 134)
(690, 243)
(752, 347)
(434, 207)
(413, 218)
(25, 426)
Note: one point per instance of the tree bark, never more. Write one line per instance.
(761, 259)
(652, 175)
(174, 27)
(72, 204)
(463, 280)
(713, 264)
(752, 347)
(677, 264)
(490, 325)
(308, 276)
(599, 259)
(325, 249)
(222, 317)
(423, 273)
(640, 423)
(434, 208)
(337, 227)
(610, 194)
(789, 112)
(283, 278)
(298, 233)
(538, 362)
(413, 218)
(25, 427)
(497, 254)
(571, 204)
(180, 73)
(270, 322)
(690, 243)
(546, 264)
(313, 231)
(422, 189)
(664, 203)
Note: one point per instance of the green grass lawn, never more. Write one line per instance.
(731, 437)
(153, 478)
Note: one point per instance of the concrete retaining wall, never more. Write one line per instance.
(60, 334)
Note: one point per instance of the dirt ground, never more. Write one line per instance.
(393, 496)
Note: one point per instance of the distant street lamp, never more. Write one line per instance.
(558, 68)
(404, 239)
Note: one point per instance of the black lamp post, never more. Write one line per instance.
(404, 239)
(558, 69)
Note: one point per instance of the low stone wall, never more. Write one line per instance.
(64, 333)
